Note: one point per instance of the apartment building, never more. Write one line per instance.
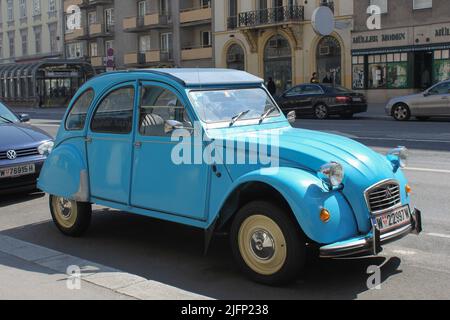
(30, 30)
(410, 52)
(275, 38)
(117, 34)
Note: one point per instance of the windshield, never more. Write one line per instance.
(6, 115)
(224, 105)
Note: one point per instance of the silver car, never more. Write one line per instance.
(433, 102)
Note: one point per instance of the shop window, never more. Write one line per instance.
(387, 71)
(359, 77)
(441, 65)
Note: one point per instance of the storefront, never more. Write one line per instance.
(47, 83)
(400, 60)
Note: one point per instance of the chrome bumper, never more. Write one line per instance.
(371, 244)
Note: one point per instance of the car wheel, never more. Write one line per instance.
(267, 245)
(401, 112)
(423, 118)
(321, 111)
(71, 217)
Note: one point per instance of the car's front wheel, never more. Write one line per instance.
(401, 112)
(71, 217)
(267, 244)
(321, 111)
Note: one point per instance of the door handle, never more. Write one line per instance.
(138, 144)
(88, 139)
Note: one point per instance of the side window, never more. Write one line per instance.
(77, 116)
(294, 92)
(157, 106)
(441, 89)
(310, 89)
(115, 112)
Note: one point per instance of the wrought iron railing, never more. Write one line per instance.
(271, 16)
(328, 3)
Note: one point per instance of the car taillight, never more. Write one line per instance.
(343, 99)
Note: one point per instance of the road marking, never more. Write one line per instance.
(427, 170)
(438, 235)
(106, 277)
(404, 252)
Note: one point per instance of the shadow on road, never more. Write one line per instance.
(172, 254)
(8, 200)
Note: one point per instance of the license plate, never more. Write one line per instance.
(17, 171)
(357, 99)
(393, 219)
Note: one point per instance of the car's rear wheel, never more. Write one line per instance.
(321, 111)
(71, 217)
(401, 112)
(267, 245)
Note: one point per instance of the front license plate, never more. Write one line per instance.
(394, 219)
(17, 171)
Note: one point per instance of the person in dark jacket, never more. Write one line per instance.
(327, 79)
(314, 78)
(271, 86)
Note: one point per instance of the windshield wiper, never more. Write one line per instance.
(267, 113)
(6, 119)
(237, 117)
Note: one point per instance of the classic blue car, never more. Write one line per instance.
(141, 142)
(23, 149)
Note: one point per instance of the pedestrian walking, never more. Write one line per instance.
(271, 86)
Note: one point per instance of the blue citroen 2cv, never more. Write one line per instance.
(210, 148)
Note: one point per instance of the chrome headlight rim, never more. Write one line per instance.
(46, 148)
(332, 173)
(399, 156)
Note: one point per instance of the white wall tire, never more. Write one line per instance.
(72, 218)
(267, 245)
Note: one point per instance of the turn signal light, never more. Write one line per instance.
(325, 215)
(408, 189)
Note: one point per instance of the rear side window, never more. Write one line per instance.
(115, 112)
(77, 116)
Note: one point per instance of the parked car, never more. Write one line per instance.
(433, 102)
(322, 101)
(118, 146)
(23, 149)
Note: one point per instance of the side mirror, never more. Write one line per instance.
(292, 116)
(172, 125)
(24, 117)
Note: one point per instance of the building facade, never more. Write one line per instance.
(32, 69)
(276, 39)
(409, 53)
(117, 34)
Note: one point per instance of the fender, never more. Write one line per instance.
(68, 176)
(306, 195)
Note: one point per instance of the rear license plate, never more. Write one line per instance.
(394, 219)
(17, 171)
(357, 99)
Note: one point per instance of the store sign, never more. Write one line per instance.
(382, 38)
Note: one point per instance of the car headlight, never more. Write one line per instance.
(398, 156)
(46, 148)
(332, 174)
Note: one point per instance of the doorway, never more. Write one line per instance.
(423, 69)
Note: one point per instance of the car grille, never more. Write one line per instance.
(20, 153)
(383, 197)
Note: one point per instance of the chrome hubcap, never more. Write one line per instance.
(321, 111)
(65, 208)
(262, 244)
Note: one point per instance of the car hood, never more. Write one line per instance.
(309, 150)
(406, 98)
(18, 135)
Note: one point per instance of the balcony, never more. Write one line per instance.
(327, 3)
(68, 3)
(271, 16)
(144, 23)
(196, 53)
(156, 56)
(134, 59)
(99, 30)
(86, 4)
(76, 34)
(196, 15)
(97, 62)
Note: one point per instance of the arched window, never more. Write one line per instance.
(236, 57)
(278, 62)
(329, 60)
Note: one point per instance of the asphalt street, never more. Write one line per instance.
(413, 268)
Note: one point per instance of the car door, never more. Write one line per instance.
(436, 101)
(289, 99)
(110, 144)
(308, 97)
(159, 181)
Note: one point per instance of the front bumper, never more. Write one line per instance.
(371, 243)
(21, 183)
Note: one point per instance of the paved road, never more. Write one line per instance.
(415, 267)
